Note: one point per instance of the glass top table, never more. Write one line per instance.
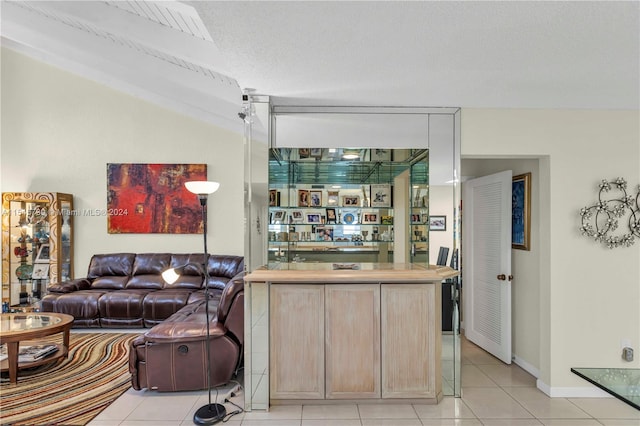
(623, 383)
(19, 327)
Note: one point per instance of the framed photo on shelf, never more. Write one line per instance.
(40, 271)
(349, 217)
(315, 153)
(379, 154)
(303, 198)
(380, 195)
(333, 198)
(278, 217)
(324, 233)
(370, 218)
(437, 223)
(297, 216)
(415, 218)
(315, 198)
(314, 218)
(331, 215)
(304, 153)
(351, 200)
(274, 198)
(521, 211)
(43, 254)
(386, 220)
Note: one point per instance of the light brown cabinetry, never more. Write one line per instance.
(410, 341)
(352, 327)
(354, 341)
(296, 328)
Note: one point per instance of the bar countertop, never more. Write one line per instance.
(310, 272)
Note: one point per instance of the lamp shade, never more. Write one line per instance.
(170, 276)
(202, 186)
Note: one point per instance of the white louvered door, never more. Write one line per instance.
(486, 235)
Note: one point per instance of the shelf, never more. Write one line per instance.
(32, 225)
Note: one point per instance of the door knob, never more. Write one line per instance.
(510, 277)
(502, 277)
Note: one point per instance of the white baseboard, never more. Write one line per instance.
(572, 392)
(529, 368)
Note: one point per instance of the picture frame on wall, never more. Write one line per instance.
(380, 195)
(437, 223)
(521, 211)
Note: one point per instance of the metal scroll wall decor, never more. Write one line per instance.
(614, 205)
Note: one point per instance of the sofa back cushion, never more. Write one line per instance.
(191, 278)
(222, 268)
(148, 269)
(110, 271)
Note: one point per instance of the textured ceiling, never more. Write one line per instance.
(433, 53)
(195, 57)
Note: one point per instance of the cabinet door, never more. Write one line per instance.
(296, 325)
(411, 341)
(353, 341)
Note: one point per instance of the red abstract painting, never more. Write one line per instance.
(152, 199)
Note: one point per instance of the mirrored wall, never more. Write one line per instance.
(396, 199)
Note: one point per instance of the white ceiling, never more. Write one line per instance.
(196, 56)
(511, 54)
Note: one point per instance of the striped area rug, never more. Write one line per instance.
(73, 390)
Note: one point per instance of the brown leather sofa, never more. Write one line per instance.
(172, 355)
(126, 290)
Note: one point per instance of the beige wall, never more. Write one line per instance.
(59, 131)
(589, 296)
(441, 203)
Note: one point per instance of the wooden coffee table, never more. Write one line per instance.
(18, 327)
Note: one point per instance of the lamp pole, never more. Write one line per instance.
(211, 413)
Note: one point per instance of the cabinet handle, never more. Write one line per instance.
(502, 277)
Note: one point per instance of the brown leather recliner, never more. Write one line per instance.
(171, 356)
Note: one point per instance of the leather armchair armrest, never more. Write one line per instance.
(70, 286)
(177, 332)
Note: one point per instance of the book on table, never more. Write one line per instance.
(36, 352)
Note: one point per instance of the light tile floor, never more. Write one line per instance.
(493, 394)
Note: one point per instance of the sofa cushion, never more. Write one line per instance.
(146, 282)
(122, 308)
(160, 305)
(82, 305)
(191, 277)
(117, 264)
(109, 283)
(222, 268)
(151, 263)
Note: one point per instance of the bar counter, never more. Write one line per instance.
(365, 332)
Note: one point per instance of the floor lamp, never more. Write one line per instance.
(211, 413)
